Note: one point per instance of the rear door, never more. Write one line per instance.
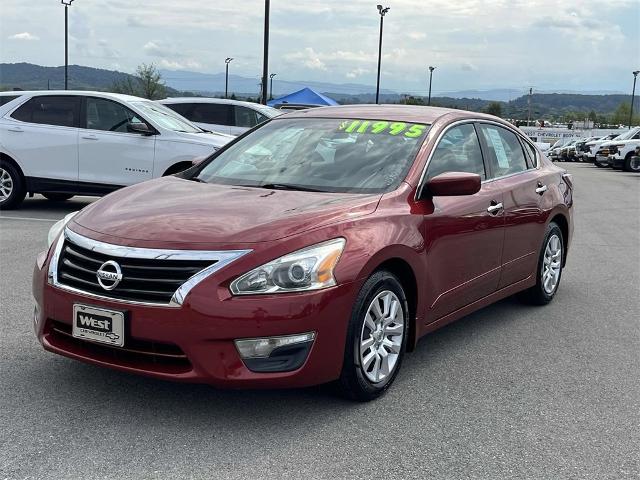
(110, 155)
(42, 135)
(464, 234)
(513, 167)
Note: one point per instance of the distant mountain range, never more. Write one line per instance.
(29, 76)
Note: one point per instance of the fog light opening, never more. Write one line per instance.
(275, 354)
(263, 347)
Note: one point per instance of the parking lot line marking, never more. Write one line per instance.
(29, 218)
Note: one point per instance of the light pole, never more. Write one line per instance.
(271, 86)
(227, 61)
(67, 4)
(382, 12)
(529, 104)
(431, 69)
(265, 61)
(633, 95)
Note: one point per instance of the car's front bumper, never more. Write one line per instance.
(616, 161)
(194, 344)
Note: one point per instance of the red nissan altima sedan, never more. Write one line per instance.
(318, 247)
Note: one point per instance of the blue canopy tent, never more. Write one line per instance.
(306, 96)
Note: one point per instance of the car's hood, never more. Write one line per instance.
(205, 138)
(172, 209)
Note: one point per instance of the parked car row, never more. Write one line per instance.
(66, 143)
(612, 150)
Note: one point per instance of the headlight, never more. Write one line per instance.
(308, 269)
(620, 145)
(58, 227)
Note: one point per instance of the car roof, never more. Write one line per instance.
(212, 100)
(86, 93)
(400, 113)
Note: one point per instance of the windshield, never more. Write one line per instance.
(270, 111)
(166, 118)
(329, 155)
(627, 135)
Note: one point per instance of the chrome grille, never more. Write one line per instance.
(143, 280)
(146, 275)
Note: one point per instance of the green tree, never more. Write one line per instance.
(147, 82)
(494, 108)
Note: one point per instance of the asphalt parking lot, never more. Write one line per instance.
(508, 392)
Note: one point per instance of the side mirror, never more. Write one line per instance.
(450, 184)
(140, 127)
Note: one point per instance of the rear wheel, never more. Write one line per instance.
(549, 268)
(12, 189)
(57, 197)
(376, 338)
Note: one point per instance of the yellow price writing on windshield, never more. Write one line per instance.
(411, 130)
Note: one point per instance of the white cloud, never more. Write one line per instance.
(174, 65)
(356, 72)
(307, 57)
(24, 36)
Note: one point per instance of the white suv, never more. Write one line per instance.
(226, 116)
(65, 143)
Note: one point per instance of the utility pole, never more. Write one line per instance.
(227, 61)
(67, 4)
(431, 69)
(529, 102)
(271, 86)
(265, 61)
(382, 12)
(633, 96)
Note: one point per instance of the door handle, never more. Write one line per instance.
(16, 129)
(89, 137)
(494, 207)
(541, 189)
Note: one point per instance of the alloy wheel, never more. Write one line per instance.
(6, 185)
(552, 264)
(381, 336)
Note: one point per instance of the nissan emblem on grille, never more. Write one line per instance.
(109, 275)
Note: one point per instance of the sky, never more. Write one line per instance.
(588, 45)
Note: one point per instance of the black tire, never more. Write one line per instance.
(538, 295)
(600, 164)
(57, 197)
(353, 382)
(13, 183)
(631, 166)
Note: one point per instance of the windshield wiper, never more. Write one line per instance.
(288, 186)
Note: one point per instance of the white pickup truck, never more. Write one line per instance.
(618, 153)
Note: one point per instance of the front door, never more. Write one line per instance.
(465, 234)
(109, 154)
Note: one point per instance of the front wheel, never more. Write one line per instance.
(632, 163)
(549, 268)
(376, 338)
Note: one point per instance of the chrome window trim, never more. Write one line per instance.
(222, 258)
(474, 121)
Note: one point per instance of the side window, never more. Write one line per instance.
(531, 154)
(61, 110)
(245, 117)
(217, 114)
(7, 98)
(109, 116)
(505, 151)
(458, 151)
(183, 109)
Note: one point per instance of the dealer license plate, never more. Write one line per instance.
(98, 325)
